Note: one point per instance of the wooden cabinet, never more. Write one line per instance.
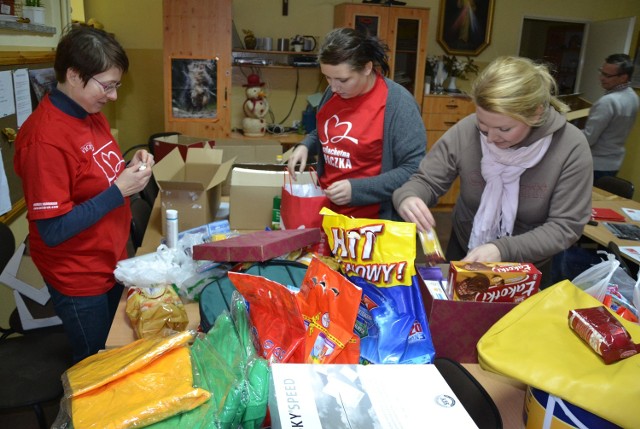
(404, 29)
(197, 67)
(439, 113)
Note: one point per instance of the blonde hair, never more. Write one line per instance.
(517, 87)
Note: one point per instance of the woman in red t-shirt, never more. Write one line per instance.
(370, 136)
(76, 186)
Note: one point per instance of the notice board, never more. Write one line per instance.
(14, 61)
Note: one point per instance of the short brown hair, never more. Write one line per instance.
(88, 51)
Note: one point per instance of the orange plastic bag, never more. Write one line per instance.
(275, 317)
(329, 304)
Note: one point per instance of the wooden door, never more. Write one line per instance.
(603, 39)
(197, 67)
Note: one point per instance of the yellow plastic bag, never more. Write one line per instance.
(153, 393)
(102, 368)
(153, 309)
(533, 343)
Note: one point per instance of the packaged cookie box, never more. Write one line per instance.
(493, 281)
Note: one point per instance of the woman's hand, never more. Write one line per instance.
(142, 157)
(339, 192)
(299, 156)
(413, 209)
(136, 176)
(484, 253)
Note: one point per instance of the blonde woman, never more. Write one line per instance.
(525, 172)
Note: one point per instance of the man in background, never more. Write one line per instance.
(612, 116)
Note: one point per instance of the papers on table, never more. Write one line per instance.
(634, 214)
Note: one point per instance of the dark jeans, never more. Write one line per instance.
(86, 319)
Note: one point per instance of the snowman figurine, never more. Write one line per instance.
(255, 108)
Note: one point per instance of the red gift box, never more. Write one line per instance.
(457, 326)
(256, 247)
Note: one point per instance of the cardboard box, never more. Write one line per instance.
(256, 247)
(456, 326)
(248, 152)
(162, 146)
(252, 192)
(366, 396)
(191, 186)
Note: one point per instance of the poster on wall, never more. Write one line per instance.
(193, 88)
(43, 81)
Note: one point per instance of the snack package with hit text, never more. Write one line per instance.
(378, 256)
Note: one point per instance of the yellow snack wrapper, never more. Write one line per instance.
(365, 249)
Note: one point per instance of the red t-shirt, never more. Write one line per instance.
(351, 132)
(64, 161)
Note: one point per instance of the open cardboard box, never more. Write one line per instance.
(162, 146)
(192, 185)
(248, 152)
(252, 192)
(456, 326)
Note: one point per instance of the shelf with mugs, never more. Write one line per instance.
(274, 59)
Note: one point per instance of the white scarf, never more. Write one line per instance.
(501, 169)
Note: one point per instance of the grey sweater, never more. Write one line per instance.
(404, 145)
(555, 195)
(610, 121)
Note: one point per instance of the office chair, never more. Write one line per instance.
(620, 187)
(140, 213)
(627, 266)
(30, 365)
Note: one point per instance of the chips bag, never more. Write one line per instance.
(378, 256)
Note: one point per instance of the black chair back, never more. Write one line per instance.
(620, 187)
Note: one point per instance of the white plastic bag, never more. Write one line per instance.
(595, 280)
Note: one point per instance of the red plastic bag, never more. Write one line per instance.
(329, 304)
(275, 317)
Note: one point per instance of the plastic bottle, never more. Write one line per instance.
(172, 228)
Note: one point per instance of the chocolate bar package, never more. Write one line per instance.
(493, 281)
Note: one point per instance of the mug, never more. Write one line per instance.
(283, 44)
(309, 43)
(267, 43)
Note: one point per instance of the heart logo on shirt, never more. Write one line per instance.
(337, 137)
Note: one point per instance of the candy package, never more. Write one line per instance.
(378, 256)
(603, 333)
